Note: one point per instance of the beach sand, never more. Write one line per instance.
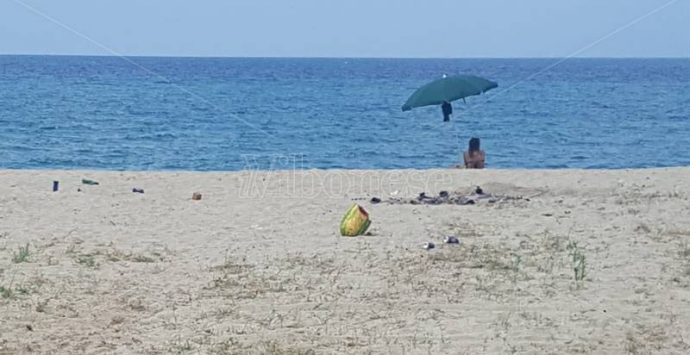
(257, 265)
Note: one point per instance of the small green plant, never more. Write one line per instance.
(181, 347)
(22, 256)
(5, 292)
(86, 260)
(579, 261)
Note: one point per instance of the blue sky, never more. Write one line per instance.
(348, 28)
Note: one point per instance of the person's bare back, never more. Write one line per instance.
(474, 157)
(474, 160)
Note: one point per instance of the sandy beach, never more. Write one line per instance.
(257, 265)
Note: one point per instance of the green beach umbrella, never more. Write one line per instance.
(449, 88)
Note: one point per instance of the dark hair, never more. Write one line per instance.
(474, 144)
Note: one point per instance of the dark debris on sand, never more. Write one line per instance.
(449, 198)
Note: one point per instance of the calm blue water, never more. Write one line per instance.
(230, 114)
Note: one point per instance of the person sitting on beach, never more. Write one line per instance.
(474, 157)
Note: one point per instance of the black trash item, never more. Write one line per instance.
(429, 246)
(138, 190)
(479, 191)
(464, 201)
(443, 194)
(451, 240)
(375, 200)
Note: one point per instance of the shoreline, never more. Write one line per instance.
(327, 171)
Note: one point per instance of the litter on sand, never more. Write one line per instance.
(355, 222)
(138, 190)
(89, 182)
(196, 196)
(449, 198)
(451, 240)
(429, 245)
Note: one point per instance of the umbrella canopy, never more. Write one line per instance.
(448, 89)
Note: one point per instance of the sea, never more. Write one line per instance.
(227, 114)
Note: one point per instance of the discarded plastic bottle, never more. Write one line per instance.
(56, 186)
(89, 182)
